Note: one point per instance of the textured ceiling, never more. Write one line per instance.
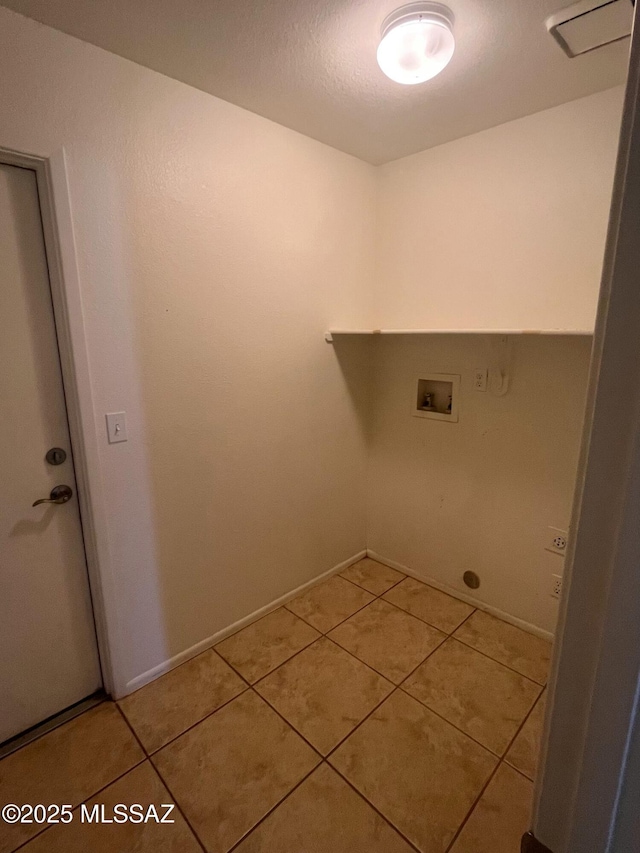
(311, 64)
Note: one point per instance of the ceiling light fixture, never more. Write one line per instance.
(417, 42)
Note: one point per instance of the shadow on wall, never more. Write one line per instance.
(353, 355)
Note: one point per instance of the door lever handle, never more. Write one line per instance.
(58, 495)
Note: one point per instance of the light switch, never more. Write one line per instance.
(116, 427)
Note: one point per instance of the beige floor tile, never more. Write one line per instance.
(265, 644)
(523, 754)
(168, 706)
(475, 693)
(324, 815)
(68, 765)
(372, 576)
(420, 772)
(324, 692)
(429, 604)
(232, 768)
(507, 644)
(387, 639)
(326, 605)
(141, 785)
(501, 817)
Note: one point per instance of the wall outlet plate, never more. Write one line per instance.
(557, 541)
(480, 378)
(556, 586)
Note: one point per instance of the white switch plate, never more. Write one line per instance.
(116, 427)
(480, 375)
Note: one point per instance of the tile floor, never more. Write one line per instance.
(372, 714)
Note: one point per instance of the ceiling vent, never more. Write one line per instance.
(591, 24)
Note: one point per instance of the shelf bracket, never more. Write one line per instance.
(501, 349)
(328, 337)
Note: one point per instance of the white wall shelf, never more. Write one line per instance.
(579, 332)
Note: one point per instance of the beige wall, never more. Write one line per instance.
(478, 494)
(214, 248)
(504, 229)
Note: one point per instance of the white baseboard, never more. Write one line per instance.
(469, 599)
(187, 654)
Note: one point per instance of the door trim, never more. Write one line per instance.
(64, 282)
(594, 689)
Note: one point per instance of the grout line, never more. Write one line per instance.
(231, 667)
(85, 800)
(466, 619)
(273, 808)
(342, 621)
(131, 729)
(364, 663)
(192, 726)
(178, 806)
(445, 637)
(358, 725)
(353, 583)
(38, 834)
(367, 715)
(495, 660)
(473, 806)
(424, 621)
(333, 627)
(393, 585)
(259, 619)
(90, 796)
(515, 770)
(168, 672)
(424, 705)
(324, 633)
(524, 722)
(237, 671)
(395, 687)
(499, 663)
(314, 582)
(500, 762)
(290, 725)
(197, 723)
(286, 722)
(375, 594)
(357, 586)
(381, 674)
(453, 725)
(375, 808)
(499, 756)
(284, 662)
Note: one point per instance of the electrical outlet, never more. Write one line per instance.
(480, 375)
(557, 541)
(556, 586)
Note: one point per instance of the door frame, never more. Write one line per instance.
(588, 756)
(64, 282)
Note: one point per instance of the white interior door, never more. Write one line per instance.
(48, 651)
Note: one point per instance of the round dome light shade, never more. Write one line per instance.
(417, 42)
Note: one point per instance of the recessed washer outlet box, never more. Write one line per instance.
(437, 397)
(591, 24)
